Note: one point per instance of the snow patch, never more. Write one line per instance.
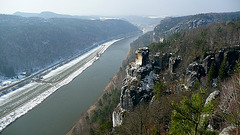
(20, 111)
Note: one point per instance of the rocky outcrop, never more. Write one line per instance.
(118, 115)
(161, 63)
(213, 124)
(207, 62)
(232, 56)
(226, 130)
(194, 72)
(142, 74)
(201, 68)
(126, 98)
(137, 86)
(164, 61)
(172, 25)
(173, 63)
(142, 56)
(212, 96)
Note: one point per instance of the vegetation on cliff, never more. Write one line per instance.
(187, 118)
(199, 56)
(210, 118)
(172, 25)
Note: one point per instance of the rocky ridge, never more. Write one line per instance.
(144, 73)
(173, 65)
(196, 70)
(172, 25)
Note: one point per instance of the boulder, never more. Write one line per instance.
(226, 130)
(212, 96)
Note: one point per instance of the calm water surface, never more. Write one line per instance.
(60, 111)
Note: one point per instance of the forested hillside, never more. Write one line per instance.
(27, 44)
(198, 87)
(189, 68)
(172, 25)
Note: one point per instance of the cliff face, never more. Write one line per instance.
(196, 70)
(137, 86)
(143, 74)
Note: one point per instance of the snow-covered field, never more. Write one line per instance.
(17, 103)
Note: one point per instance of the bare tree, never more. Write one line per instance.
(230, 101)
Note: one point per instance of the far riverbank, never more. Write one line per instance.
(58, 113)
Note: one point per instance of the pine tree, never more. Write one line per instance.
(158, 89)
(237, 66)
(189, 118)
(223, 70)
(211, 72)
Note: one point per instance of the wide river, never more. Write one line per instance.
(59, 112)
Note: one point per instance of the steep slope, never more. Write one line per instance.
(172, 25)
(176, 57)
(185, 63)
(27, 44)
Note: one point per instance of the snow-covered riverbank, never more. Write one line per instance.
(49, 84)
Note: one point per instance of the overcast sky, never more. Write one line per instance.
(120, 7)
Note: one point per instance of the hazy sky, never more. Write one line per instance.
(120, 7)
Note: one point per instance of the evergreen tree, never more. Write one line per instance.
(189, 118)
(158, 89)
(237, 66)
(196, 85)
(155, 132)
(106, 127)
(211, 72)
(223, 70)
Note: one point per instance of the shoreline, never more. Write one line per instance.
(22, 109)
(113, 83)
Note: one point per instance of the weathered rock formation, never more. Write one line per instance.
(137, 86)
(198, 69)
(212, 96)
(172, 25)
(143, 74)
(194, 72)
(173, 63)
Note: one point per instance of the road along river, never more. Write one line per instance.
(59, 112)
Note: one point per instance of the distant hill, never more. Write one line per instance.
(146, 23)
(27, 44)
(172, 25)
(47, 15)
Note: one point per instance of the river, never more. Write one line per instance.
(60, 111)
